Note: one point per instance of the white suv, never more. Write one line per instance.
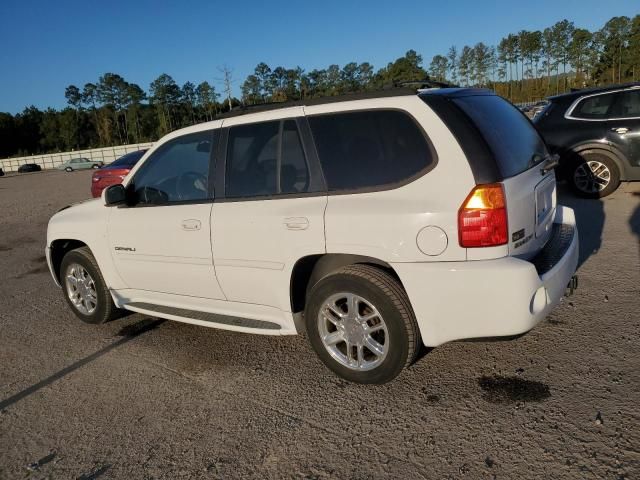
(374, 224)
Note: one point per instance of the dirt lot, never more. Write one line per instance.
(144, 398)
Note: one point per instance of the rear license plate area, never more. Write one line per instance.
(545, 204)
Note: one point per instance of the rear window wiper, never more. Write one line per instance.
(551, 162)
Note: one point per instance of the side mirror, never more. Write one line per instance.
(114, 195)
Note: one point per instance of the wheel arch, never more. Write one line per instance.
(59, 248)
(310, 269)
(608, 150)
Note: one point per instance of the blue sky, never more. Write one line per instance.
(47, 45)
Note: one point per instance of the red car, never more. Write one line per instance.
(114, 172)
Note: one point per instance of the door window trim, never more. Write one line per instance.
(569, 113)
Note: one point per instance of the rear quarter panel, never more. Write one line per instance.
(384, 224)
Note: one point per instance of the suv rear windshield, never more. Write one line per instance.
(513, 140)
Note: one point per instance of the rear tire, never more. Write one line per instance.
(95, 166)
(360, 323)
(594, 175)
(85, 290)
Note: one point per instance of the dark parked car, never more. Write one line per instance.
(29, 167)
(1, 172)
(597, 134)
(114, 172)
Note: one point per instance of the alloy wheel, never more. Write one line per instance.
(592, 176)
(81, 289)
(353, 331)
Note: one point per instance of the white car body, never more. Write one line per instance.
(235, 259)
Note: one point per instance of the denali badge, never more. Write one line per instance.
(125, 249)
(515, 236)
(522, 242)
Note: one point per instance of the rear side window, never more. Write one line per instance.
(593, 108)
(368, 149)
(294, 176)
(512, 138)
(627, 105)
(265, 159)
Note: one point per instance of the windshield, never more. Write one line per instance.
(512, 138)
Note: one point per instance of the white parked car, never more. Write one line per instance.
(374, 225)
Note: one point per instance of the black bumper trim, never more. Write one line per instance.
(555, 249)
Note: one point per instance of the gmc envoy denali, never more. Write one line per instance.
(374, 224)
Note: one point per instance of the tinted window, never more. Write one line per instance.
(261, 162)
(178, 171)
(294, 172)
(512, 138)
(369, 148)
(596, 108)
(128, 160)
(627, 104)
(252, 155)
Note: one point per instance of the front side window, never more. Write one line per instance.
(177, 172)
(128, 160)
(593, 108)
(627, 105)
(265, 159)
(369, 149)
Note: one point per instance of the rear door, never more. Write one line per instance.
(520, 153)
(273, 211)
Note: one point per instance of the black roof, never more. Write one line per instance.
(391, 92)
(588, 91)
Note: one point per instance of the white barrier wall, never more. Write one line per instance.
(52, 160)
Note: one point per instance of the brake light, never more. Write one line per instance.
(482, 218)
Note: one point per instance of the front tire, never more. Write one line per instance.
(360, 323)
(68, 169)
(594, 175)
(95, 166)
(85, 289)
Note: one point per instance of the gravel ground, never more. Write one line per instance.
(146, 398)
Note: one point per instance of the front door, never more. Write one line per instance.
(272, 214)
(161, 241)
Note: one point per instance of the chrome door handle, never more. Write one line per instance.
(191, 224)
(620, 130)
(296, 223)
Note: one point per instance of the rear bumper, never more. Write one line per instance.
(491, 298)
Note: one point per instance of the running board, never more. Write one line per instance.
(204, 316)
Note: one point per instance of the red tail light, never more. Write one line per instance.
(482, 218)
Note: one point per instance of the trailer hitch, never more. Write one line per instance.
(572, 286)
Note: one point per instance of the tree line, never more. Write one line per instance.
(523, 66)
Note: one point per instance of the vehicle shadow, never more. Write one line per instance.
(590, 218)
(127, 334)
(634, 221)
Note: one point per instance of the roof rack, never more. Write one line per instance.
(263, 107)
(427, 84)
